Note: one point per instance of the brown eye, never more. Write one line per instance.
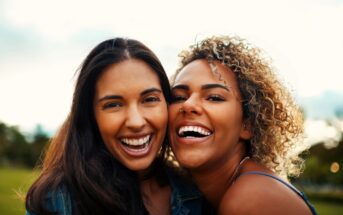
(178, 98)
(151, 99)
(112, 105)
(215, 98)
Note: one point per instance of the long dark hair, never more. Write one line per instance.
(77, 157)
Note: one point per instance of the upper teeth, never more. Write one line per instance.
(198, 129)
(136, 142)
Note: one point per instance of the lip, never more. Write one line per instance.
(138, 152)
(188, 123)
(135, 136)
(192, 140)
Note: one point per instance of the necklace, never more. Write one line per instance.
(237, 169)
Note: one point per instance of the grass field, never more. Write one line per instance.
(16, 181)
(328, 208)
(13, 186)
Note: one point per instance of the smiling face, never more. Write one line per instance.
(206, 117)
(131, 113)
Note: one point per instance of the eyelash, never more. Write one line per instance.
(178, 98)
(112, 105)
(213, 98)
(151, 99)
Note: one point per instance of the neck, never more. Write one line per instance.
(156, 198)
(146, 173)
(215, 179)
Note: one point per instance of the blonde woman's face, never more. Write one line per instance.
(206, 117)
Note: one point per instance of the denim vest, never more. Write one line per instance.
(186, 199)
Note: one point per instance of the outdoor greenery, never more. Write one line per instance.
(17, 149)
(19, 155)
(319, 160)
(15, 182)
(13, 185)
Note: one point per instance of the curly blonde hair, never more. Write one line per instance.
(269, 109)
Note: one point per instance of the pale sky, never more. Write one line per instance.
(43, 42)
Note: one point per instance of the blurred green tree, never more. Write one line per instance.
(324, 165)
(16, 150)
(39, 143)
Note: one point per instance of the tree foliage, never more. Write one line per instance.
(16, 150)
(318, 166)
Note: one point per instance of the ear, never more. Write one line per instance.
(245, 133)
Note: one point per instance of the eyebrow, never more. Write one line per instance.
(211, 86)
(147, 91)
(150, 90)
(203, 87)
(108, 97)
(181, 87)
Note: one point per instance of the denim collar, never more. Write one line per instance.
(185, 196)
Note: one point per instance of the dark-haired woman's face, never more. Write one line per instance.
(210, 122)
(131, 113)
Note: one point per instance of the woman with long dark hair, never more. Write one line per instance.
(109, 157)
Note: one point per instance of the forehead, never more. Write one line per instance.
(199, 72)
(127, 76)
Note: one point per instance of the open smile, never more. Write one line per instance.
(137, 146)
(193, 132)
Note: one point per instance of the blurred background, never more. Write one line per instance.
(42, 44)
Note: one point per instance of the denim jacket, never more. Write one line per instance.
(186, 199)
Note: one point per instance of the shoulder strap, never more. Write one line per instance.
(301, 194)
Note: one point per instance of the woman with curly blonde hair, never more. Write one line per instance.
(236, 128)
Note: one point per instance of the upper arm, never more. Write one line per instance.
(260, 195)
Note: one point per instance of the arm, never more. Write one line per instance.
(255, 194)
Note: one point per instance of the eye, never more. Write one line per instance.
(215, 98)
(178, 98)
(151, 99)
(112, 105)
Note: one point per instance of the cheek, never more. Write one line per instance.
(227, 119)
(159, 117)
(172, 113)
(108, 125)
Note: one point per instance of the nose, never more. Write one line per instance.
(192, 106)
(135, 120)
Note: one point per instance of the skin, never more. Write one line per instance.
(129, 108)
(213, 103)
(134, 110)
(207, 103)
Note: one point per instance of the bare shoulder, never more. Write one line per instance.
(258, 194)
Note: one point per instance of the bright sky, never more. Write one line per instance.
(42, 43)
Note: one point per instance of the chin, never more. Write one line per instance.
(189, 160)
(139, 165)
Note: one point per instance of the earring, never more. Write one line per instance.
(181, 110)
